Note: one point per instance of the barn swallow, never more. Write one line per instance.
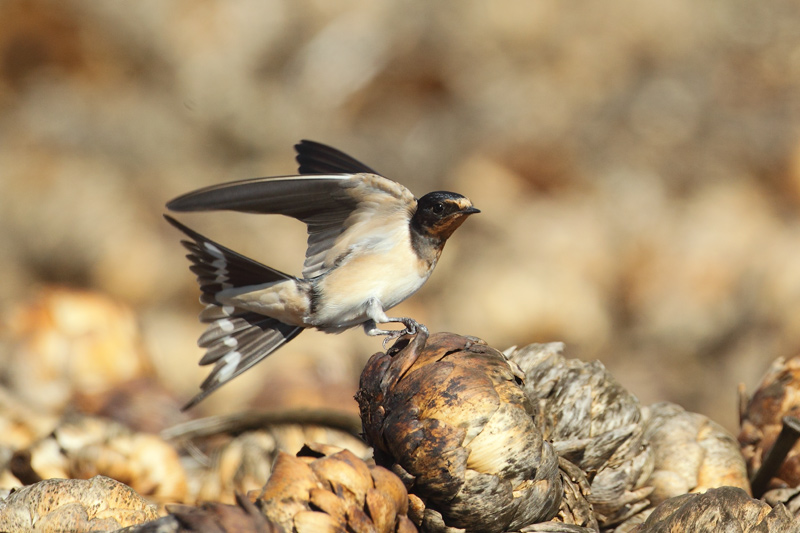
(371, 245)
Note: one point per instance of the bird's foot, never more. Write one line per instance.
(412, 327)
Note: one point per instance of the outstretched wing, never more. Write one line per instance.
(329, 204)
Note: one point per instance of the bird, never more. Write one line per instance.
(371, 244)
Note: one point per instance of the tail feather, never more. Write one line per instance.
(236, 339)
(235, 334)
(212, 313)
(218, 267)
(222, 326)
(253, 338)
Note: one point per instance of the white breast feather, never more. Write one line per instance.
(382, 267)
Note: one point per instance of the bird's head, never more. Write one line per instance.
(440, 213)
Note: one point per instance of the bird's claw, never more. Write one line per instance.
(412, 327)
(392, 335)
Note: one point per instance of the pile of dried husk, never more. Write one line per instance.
(530, 440)
(464, 438)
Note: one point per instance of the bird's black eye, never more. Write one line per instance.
(438, 208)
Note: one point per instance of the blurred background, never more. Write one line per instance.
(637, 167)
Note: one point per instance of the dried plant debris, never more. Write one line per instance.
(777, 396)
(692, 453)
(68, 342)
(242, 464)
(595, 423)
(20, 426)
(721, 509)
(205, 460)
(575, 510)
(327, 489)
(230, 454)
(635, 457)
(449, 416)
(83, 447)
(211, 517)
(96, 504)
(790, 498)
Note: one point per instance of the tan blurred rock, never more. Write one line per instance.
(21, 425)
(67, 341)
(242, 465)
(97, 504)
(85, 447)
(144, 404)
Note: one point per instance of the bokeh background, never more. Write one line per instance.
(637, 166)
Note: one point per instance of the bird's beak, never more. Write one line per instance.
(470, 211)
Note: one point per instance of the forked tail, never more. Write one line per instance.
(236, 339)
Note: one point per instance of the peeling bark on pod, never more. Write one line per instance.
(593, 422)
(449, 416)
(722, 509)
(328, 489)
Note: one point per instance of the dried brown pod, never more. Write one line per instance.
(240, 465)
(761, 418)
(692, 453)
(234, 453)
(84, 447)
(96, 504)
(720, 509)
(211, 517)
(447, 413)
(595, 423)
(328, 489)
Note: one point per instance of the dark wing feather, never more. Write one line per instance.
(317, 158)
(329, 204)
(218, 267)
(301, 197)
